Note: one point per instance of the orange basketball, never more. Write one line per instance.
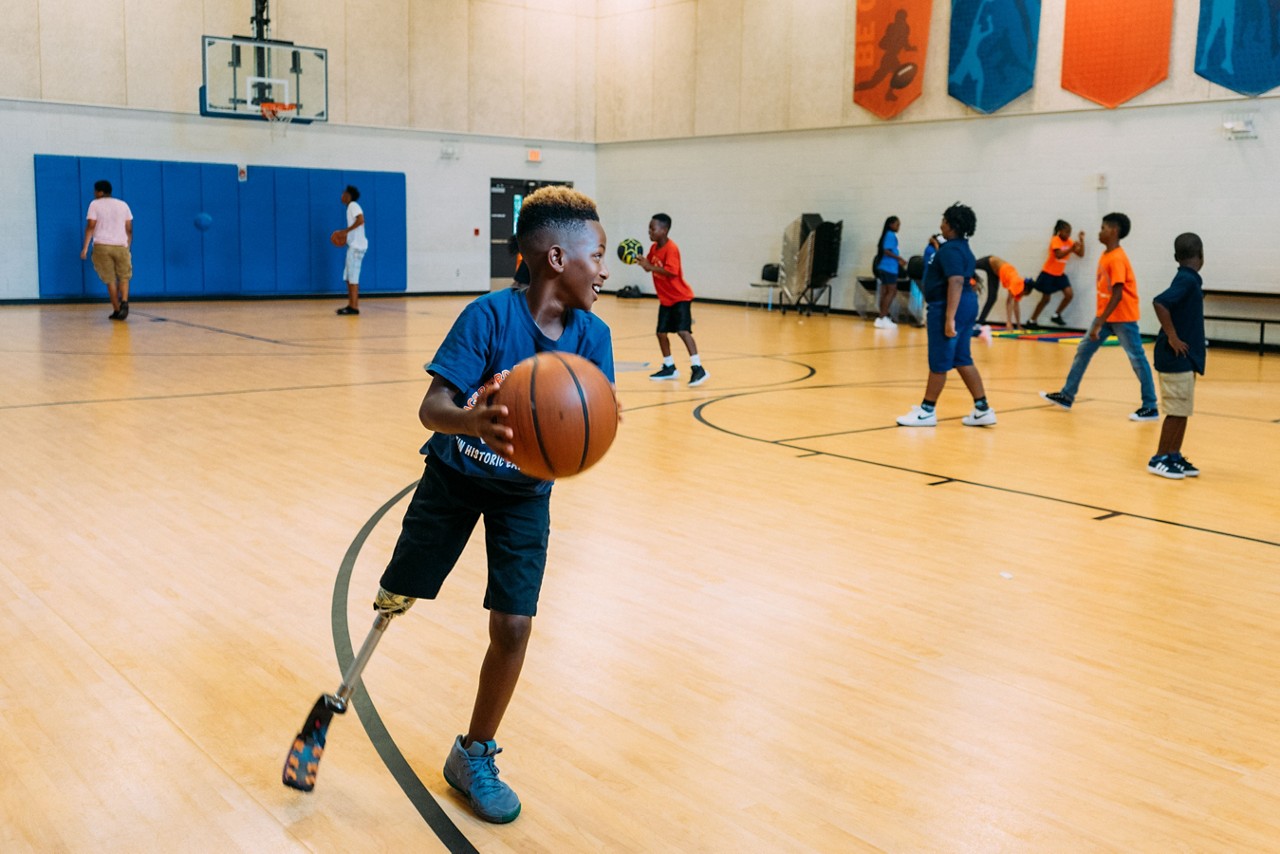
(562, 411)
(338, 238)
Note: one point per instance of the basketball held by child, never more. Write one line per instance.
(338, 238)
(629, 250)
(562, 413)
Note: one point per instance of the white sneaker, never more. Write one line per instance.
(885, 323)
(917, 417)
(980, 418)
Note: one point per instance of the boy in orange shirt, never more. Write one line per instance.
(1117, 315)
(1053, 276)
(675, 298)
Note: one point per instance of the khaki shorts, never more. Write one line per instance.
(1178, 393)
(112, 263)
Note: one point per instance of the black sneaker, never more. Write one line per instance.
(1146, 413)
(1057, 320)
(124, 310)
(1187, 468)
(698, 375)
(1166, 465)
(1057, 397)
(666, 372)
(115, 315)
(346, 309)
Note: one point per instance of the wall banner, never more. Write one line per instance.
(993, 51)
(1238, 44)
(1113, 51)
(891, 40)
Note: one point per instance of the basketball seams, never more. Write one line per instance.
(537, 425)
(586, 411)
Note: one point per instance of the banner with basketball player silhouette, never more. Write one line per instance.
(1238, 44)
(891, 40)
(993, 51)
(1113, 51)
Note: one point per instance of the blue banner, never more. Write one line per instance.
(993, 51)
(1238, 44)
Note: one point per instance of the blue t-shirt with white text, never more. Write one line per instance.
(491, 336)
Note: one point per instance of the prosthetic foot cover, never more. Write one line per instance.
(392, 604)
(303, 762)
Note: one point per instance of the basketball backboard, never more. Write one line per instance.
(241, 74)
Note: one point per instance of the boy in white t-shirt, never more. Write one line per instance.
(357, 243)
(110, 227)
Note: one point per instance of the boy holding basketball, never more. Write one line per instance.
(466, 477)
(357, 244)
(675, 299)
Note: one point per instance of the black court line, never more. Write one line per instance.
(230, 392)
(155, 318)
(700, 418)
(440, 823)
(1107, 516)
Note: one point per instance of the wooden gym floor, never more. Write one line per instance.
(772, 621)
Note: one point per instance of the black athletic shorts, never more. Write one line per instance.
(676, 318)
(441, 516)
(1047, 283)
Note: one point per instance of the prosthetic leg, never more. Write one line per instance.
(303, 761)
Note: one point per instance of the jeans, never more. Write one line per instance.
(1131, 340)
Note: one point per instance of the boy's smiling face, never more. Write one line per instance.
(585, 270)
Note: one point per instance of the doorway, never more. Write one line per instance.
(506, 195)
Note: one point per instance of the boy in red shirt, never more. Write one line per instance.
(675, 298)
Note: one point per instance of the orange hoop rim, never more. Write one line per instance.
(277, 112)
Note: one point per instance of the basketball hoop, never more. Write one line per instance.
(279, 115)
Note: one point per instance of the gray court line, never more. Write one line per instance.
(444, 828)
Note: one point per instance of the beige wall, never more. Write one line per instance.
(515, 68)
(576, 70)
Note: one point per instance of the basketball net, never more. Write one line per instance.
(279, 115)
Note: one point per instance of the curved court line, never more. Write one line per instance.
(445, 830)
(946, 479)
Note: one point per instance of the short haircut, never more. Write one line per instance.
(550, 209)
(962, 219)
(1061, 224)
(103, 187)
(663, 218)
(353, 192)
(1187, 246)
(1120, 221)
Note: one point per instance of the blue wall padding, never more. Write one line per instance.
(268, 234)
(60, 224)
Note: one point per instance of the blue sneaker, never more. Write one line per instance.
(1166, 465)
(473, 772)
(1187, 468)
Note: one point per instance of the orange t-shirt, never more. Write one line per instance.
(1114, 268)
(1055, 266)
(671, 289)
(1010, 280)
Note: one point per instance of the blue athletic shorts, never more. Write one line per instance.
(947, 353)
(884, 277)
(441, 516)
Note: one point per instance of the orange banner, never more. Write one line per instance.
(891, 40)
(1113, 51)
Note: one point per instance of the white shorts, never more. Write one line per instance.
(351, 272)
